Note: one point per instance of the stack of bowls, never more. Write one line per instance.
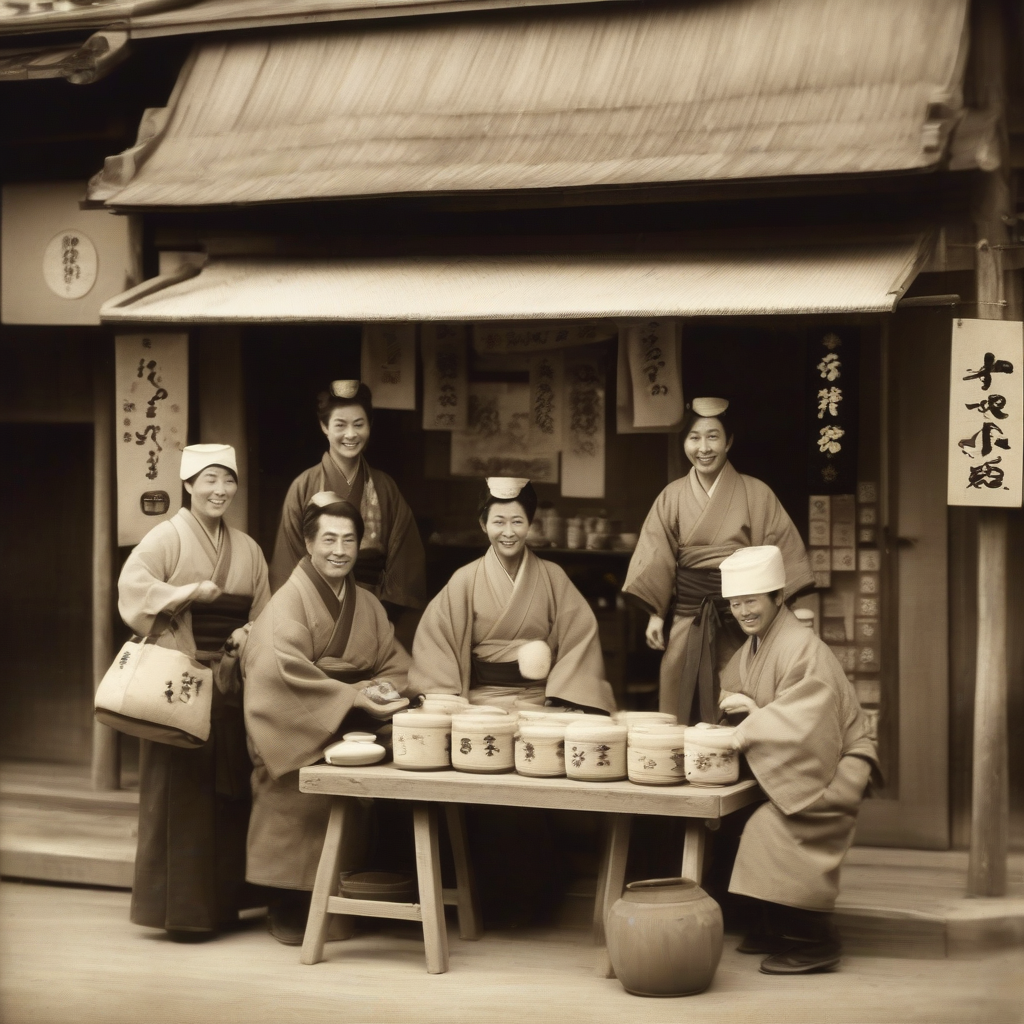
(483, 740)
(656, 754)
(595, 750)
(389, 886)
(421, 740)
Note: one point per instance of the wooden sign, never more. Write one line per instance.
(151, 428)
(986, 413)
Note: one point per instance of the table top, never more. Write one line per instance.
(512, 790)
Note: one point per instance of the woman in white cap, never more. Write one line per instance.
(392, 563)
(196, 584)
(696, 522)
(510, 626)
(808, 743)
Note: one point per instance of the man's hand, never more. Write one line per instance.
(736, 703)
(207, 592)
(656, 633)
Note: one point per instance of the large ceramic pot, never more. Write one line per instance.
(540, 750)
(664, 937)
(421, 741)
(595, 750)
(483, 743)
(710, 758)
(655, 755)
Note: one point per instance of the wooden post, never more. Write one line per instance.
(106, 754)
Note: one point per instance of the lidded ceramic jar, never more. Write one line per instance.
(540, 749)
(655, 754)
(595, 750)
(664, 937)
(421, 741)
(355, 748)
(483, 743)
(709, 756)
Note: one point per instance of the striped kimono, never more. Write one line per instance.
(808, 747)
(308, 655)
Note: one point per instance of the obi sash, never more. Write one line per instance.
(213, 623)
(499, 673)
(699, 593)
(369, 567)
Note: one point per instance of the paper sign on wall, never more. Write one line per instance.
(986, 413)
(445, 393)
(653, 406)
(583, 441)
(547, 400)
(151, 428)
(388, 364)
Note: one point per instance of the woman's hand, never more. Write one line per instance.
(380, 699)
(656, 633)
(207, 592)
(736, 703)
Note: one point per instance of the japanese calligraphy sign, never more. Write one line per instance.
(653, 353)
(150, 429)
(445, 395)
(388, 365)
(537, 337)
(547, 400)
(833, 376)
(584, 429)
(986, 413)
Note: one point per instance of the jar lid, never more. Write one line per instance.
(654, 731)
(608, 731)
(704, 734)
(541, 730)
(422, 720)
(359, 737)
(487, 723)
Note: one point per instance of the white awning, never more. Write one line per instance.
(836, 279)
(574, 97)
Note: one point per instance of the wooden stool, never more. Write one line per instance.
(430, 909)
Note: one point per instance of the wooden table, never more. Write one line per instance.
(620, 800)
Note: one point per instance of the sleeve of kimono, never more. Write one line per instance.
(404, 580)
(786, 537)
(652, 569)
(794, 743)
(289, 547)
(393, 661)
(291, 708)
(261, 582)
(577, 671)
(437, 648)
(145, 599)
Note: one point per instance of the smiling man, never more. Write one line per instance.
(321, 656)
(807, 742)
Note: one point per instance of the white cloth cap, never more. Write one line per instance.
(756, 570)
(196, 457)
(506, 487)
(344, 388)
(709, 407)
(324, 498)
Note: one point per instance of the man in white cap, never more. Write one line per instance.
(807, 742)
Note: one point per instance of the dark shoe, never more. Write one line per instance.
(287, 915)
(189, 935)
(803, 958)
(291, 933)
(762, 943)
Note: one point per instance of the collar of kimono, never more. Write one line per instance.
(519, 571)
(699, 487)
(757, 644)
(337, 465)
(332, 601)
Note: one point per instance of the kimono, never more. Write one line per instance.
(809, 748)
(470, 633)
(193, 804)
(674, 574)
(308, 655)
(391, 564)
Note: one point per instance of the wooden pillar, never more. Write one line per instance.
(106, 757)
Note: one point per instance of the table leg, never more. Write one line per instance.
(465, 882)
(428, 874)
(693, 849)
(326, 884)
(613, 870)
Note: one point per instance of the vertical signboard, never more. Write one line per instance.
(986, 413)
(151, 428)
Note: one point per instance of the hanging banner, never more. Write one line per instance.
(151, 418)
(833, 369)
(653, 351)
(389, 364)
(524, 336)
(986, 413)
(497, 440)
(583, 440)
(547, 400)
(444, 376)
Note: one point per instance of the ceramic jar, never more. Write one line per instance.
(655, 754)
(709, 757)
(484, 743)
(421, 741)
(540, 750)
(443, 703)
(664, 937)
(355, 748)
(595, 751)
(631, 718)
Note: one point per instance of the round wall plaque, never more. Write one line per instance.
(70, 264)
